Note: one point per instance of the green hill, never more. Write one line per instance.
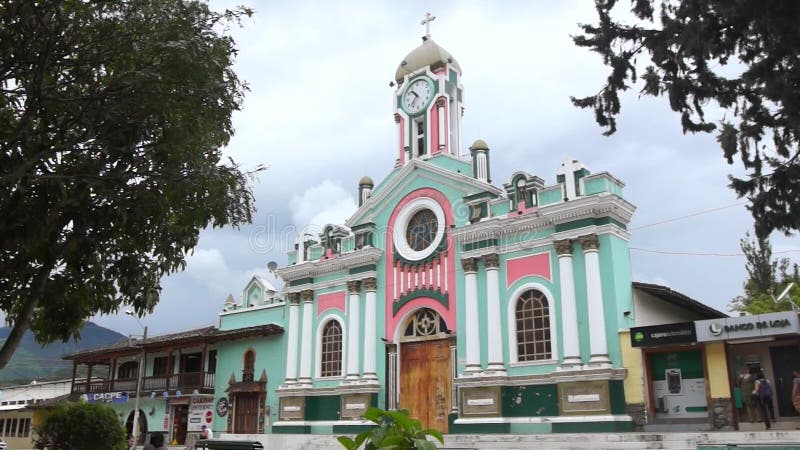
(33, 361)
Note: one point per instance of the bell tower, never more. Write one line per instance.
(428, 101)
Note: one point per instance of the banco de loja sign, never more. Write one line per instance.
(745, 327)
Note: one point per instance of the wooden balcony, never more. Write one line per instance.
(185, 382)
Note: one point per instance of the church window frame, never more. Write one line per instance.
(402, 221)
(320, 350)
(552, 332)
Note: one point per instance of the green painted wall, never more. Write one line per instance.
(551, 195)
(270, 357)
(277, 314)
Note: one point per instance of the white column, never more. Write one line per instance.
(353, 324)
(569, 312)
(305, 345)
(291, 348)
(594, 299)
(495, 341)
(473, 338)
(370, 329)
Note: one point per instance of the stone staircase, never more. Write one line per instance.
(582, 441)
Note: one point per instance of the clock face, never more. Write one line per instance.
(417, 95)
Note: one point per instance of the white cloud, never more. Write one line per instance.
(328, 202)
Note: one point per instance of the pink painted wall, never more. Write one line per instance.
(538, 265)
(402, 138)
(448, 260)
(332, 300)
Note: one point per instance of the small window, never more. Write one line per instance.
(419, 137)
(159, 366)
(331, 349)
(127, 370)
(25, 428)
(190, 362)
(533, 327)
(249, 362)
(212, 361)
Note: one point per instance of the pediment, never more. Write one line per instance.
(399, 185)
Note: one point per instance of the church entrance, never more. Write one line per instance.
(425, 370)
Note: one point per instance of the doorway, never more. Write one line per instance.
(142, 425)
(785, 359)
(426, 377)
(180, 423)
(245, 410)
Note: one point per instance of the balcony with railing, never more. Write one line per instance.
(186, 382)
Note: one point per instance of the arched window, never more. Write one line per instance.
(533, 327)
(128, 370)
(331, 350)
(249, 365)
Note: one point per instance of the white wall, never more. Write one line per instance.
(651, 310)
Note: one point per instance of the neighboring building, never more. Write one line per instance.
(476, 307)
(766, 342)
(674, 381)
(685, 359)
(16, 419)
(178, 380)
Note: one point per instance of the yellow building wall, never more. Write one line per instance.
(718, 383)
(632, 360)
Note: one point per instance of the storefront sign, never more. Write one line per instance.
(744, 327)
(222, 407)
(669, 334)
(200, 413)
(107, 397)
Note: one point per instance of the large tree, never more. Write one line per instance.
(766, 279)
(112, 119)
(742, 57)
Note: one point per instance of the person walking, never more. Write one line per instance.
(747, 387)
(205, 433)
(764, 392)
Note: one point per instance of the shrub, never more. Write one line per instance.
(80, 426)
(395, 430)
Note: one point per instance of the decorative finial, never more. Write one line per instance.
(427, 22)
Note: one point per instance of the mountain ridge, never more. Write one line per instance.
(32, 361)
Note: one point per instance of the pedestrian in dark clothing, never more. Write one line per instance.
(764, 393)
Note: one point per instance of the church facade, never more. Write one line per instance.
(478, 306)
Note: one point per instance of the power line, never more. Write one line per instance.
(698, 213)
(667, 252)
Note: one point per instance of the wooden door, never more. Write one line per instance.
(246, 414)
(425, 382)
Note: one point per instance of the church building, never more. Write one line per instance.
(478, 305)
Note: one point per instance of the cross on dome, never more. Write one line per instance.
(427, 22)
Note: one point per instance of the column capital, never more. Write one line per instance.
(307, 295)
(563, 247)
(370, 284)
(396, 118)
(589, 242)
(353, 287)
(469, 265)
(294, 298)
(491, 261)
(440, 102)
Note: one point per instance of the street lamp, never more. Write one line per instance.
(135, 427)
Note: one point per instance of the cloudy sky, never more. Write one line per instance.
(320, 114)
